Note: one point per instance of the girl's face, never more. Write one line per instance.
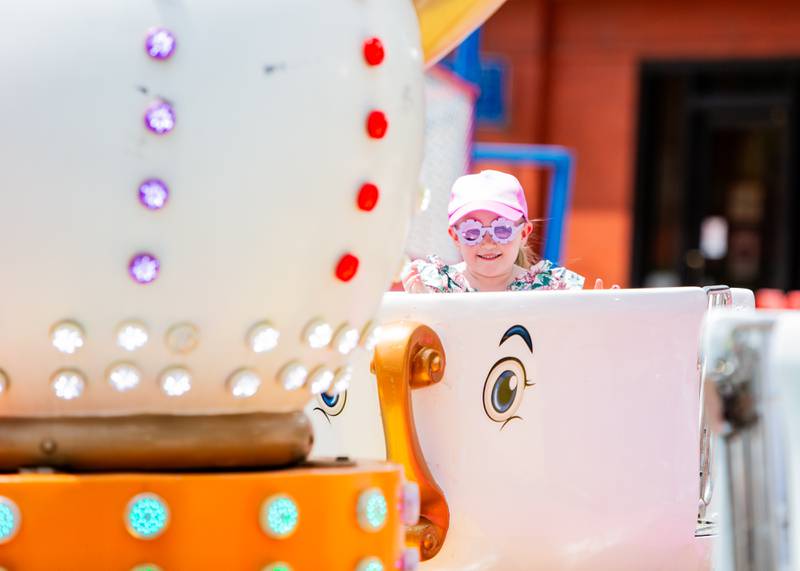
(488, 258)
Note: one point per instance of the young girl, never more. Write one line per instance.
(488, 221)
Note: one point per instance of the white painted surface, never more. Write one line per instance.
(601, 471)
(784, 366)
(449, 112)
(263, 166)
(763, 344)
(743, 299)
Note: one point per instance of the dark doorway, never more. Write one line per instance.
(716, 195)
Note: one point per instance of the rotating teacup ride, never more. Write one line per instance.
(188, 196)
(546, 430)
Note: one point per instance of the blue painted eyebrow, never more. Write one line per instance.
(518, 330)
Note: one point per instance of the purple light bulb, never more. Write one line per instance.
(153, 194)
(160, 118)
(160, 43)
(144, 268)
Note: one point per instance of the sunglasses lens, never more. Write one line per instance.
(471, 234)
(503, 232)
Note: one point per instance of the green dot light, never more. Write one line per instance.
(9, 519)
(372, 510)
(279, 516)
(147, 516)
(146, 567)
(370, 564)
(281, 566)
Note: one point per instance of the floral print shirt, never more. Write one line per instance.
(439, 277)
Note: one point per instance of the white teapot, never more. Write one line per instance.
(202, 203)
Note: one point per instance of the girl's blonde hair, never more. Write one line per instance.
(522, 257)
(526, 257)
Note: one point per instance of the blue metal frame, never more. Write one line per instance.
(467, 62)
(561, 161)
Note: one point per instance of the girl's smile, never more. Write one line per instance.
(487, 219)
(489, 264)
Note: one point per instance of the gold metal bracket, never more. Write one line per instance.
(411, 356)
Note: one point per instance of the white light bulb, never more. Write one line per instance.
(176, 381)
(341, 382)
(67, 337)
(132, 336)
(320, 381)
(263, 337)
(371, 338)
(124, 377)
(318, 334)
(244, 383)
(293, 376)
(346, 339)
(68, 384)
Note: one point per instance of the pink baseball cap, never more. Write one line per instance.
(490, 190)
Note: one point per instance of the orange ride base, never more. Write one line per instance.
(77, 521)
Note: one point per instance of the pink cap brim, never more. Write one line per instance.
(497, 207)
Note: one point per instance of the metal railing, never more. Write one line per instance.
(561, 161)
(741, 403)
(718, 297)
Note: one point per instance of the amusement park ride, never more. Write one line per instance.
(180, 280)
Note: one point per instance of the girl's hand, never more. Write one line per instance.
(412, 282)
(598, 284)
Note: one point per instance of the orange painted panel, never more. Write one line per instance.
(77, 521)
(599, 246)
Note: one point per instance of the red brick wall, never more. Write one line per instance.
(574, 81)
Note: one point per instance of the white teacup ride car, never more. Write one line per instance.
(549, 430)
(752, 401)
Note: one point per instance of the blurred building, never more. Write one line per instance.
(684, 119)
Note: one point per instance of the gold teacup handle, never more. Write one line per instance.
(411, 356)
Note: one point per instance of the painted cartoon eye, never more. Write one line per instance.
(331, 405)
(503, 390)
